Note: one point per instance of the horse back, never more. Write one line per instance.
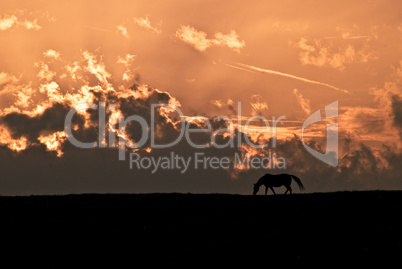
(277, 180)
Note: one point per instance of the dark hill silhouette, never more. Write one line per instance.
(133, 229)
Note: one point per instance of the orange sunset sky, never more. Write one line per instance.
(278, 58)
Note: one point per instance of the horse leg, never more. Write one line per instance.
(266, 190)
(272, 189)
(288, 189)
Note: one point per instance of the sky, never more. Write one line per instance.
(253, 63)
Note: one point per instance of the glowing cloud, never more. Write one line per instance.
(319, 53)
(24, 97)
(97, 69)
(229, 104)
(303, 102)
(37, 114)
(31, 25)
(127, 61)
(121, 29)
(199, 40)
(230, 40)
(54, 141)
(7, 22)
(73, 70)
(52, 54)
(44, 72)
(10, 21)
(145, 23)
(13, 144)
(257, 105)
(6, 78)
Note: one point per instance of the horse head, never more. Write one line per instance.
(256, 188)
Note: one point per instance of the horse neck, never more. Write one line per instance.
(260, 182)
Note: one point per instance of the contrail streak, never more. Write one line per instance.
(273, 72)
(96, 28)
(236, 67)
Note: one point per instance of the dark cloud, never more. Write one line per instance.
(38, 171)
(397, 110)
(51, 120)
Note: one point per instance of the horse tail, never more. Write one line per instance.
(298, 181)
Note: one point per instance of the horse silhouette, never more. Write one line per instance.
(270, 181)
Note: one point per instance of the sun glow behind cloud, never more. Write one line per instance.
(52, 94)
(278, 66)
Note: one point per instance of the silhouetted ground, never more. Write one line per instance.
(203, 229)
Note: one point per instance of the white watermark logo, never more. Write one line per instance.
(202, 161)
(148, 130)
(117, 137)
(331, 151)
